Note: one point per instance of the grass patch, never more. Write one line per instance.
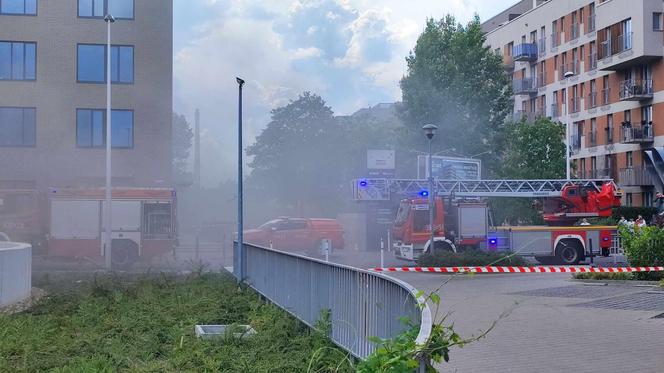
(469, 258)
(619, 276)
(147, 325)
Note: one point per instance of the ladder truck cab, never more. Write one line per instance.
(456, 224)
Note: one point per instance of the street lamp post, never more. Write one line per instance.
(568, 144)
(108, 226)
(430, 131)
(239, 254)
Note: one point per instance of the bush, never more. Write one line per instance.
(621, 276)
(469, 258)
(644, 248)
(633, 212)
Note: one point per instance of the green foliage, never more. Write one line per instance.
(514, 211)
(631, 212)
(644, 247)
(147, 325)
(401, 354)
(459, 84)
(534, 150)
(182, 136)
(620, 276)
(468, 258)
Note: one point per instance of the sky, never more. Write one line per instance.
(350, 52)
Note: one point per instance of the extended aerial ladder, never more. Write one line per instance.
(382, 189)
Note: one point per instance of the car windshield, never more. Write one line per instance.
(269, 224)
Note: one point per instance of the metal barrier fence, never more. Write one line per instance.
(362, 304)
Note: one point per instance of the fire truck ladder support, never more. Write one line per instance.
(381, 189)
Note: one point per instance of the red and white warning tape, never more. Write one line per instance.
(541, 269)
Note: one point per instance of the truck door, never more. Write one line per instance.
(125, 221)
(473, 221)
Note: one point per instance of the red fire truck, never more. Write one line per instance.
(461, 217)
(69, 222)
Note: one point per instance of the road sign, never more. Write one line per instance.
(449, 168)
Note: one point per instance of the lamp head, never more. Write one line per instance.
(430, 130)
(109, 18)
(240, 81)
(568, 74)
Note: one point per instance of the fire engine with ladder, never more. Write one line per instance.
(461, 216)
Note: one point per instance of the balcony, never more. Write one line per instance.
(574, 31)
(592, 139)
(528, 116)
(590, 24)
(592, 100)
(525, 52)
(611, 47)
(554, 41)
(575, 143)
(641, 134)
(556, 110)
(541, 47)
(570, 66)
(635, 90)
(592, 62)
(541, 80)
(635, 176)
(508, 63)
(576, 105)
(525, 86)
(606, 96)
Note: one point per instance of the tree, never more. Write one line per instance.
(533, 151)
(295, 158)
(182, 136)
(457, 83)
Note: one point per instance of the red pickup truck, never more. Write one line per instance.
(296, 234)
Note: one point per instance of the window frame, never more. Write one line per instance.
(34, 145)
(21, 14)
(104, 123)
(133, 64)
(78, 13)
(660, 18)
(11, 42)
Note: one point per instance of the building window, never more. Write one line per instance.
(92, 63)
(18, 7)
(120, 9)
(18, 60)
(18, 126)
(629, 159)
(657, 21)
(628, 199)
(647, 199)
(91, 128)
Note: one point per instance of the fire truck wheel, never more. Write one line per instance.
(124, 254)
(445, 245)
(568, 253)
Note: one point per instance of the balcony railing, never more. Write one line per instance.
(541, 47)
(524, 86)
(606, 96)
(554, 41)
(569, 67)
(592, 100)
(611, 47)
(528, 116)
(637, 134)
(637, 176)
(576, 105)
(575, 142)
(525, 52)
(590, 25)
(592, 62)
(541, 80)
(508, 63)
(556, 110)
(574, 31)
(592, 139)
(636, 90)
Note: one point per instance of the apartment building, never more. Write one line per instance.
(598, 66)
(53, 93)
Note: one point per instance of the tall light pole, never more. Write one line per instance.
(430, 132)
(108, 226)
(239, 254)
(568, 144)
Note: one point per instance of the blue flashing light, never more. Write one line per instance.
(493, 241)
(363, 183)
(424, 193)
(606, 238)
